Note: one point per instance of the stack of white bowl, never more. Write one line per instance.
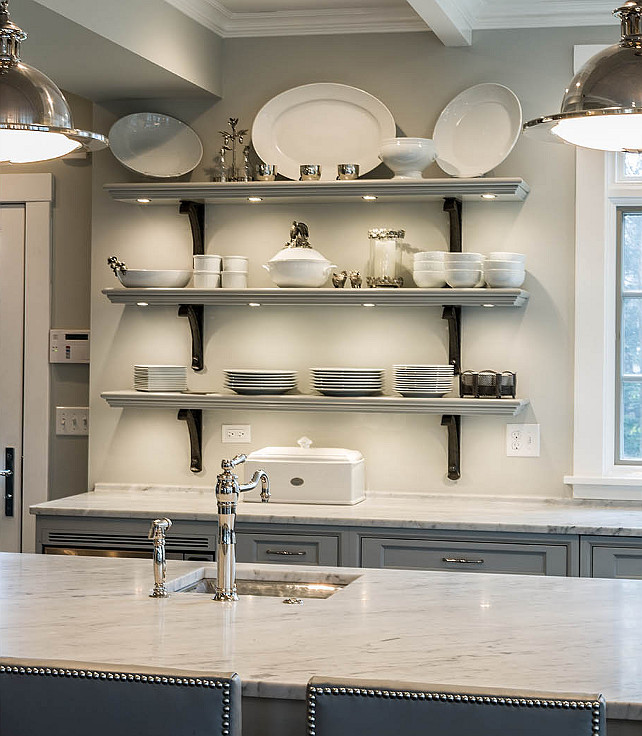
(234, 274)
(207, 272)
(428, 269)
(464, 270)
(423, 381)
(505, 270)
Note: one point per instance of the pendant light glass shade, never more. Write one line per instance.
(602, 107)
(35, 120)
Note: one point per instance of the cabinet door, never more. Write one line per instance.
(617, 562)
(424, 554)
(287, 549)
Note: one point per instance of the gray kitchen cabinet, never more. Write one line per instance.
(611, 557)
(287, 549)
(496, 557)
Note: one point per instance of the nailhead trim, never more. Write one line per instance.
(314, 692)
(132, 677)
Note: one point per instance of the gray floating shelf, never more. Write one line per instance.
(298, 402)
(322, 297)
(503, 189)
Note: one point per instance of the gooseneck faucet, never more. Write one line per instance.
(228, 491)
(157, 533)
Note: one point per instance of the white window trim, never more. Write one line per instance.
(598, 195)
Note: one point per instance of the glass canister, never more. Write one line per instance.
(384, 257)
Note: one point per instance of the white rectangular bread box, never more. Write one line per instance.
(307, 474)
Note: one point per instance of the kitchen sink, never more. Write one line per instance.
(276, 584)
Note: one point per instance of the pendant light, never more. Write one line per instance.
(602, 107)
(35, 120)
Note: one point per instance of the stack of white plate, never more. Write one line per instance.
(348, 381)
(257, 381)
(423, 381)
(160, 378)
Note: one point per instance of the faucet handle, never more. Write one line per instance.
(158, 528)
(236, 460)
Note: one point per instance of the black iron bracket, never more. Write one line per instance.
(453, 423)
(196, 213)
(453, 315)
(194, 419)
(194, 314)
(453, 207)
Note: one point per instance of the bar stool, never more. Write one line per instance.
(73, 699)
(345, 707)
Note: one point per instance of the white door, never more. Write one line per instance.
(12, 311)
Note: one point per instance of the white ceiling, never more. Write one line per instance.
(453, 21)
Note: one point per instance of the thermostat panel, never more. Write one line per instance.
(69, 346)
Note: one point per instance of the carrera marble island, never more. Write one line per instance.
(549, 634)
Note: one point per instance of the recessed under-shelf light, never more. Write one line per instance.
(255, 199)
(369, 197)
(253, 304)
(488, 195)
(488, 306)
(143, 200)
(368, 304)
(142, 304)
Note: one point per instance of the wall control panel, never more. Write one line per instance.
(69, 346)
(72, 420)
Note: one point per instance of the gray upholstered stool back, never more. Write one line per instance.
(69, 699)
(350, 707)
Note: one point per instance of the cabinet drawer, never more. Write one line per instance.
(420, 554)
(617, 562)
(287, 549)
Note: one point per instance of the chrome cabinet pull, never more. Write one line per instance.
(462, 561)
(285, 552)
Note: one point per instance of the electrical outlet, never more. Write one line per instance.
(238, 433)
(522, 440)
(72, 420)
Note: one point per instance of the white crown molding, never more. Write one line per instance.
(227, 24)
(543, 14)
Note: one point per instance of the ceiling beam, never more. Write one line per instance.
(447, 20)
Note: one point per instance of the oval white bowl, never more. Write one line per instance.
(407, 157)
(499, 278)
(461, 278)
(499, 256)
(143, 278)
(430, 279)
(303, 274)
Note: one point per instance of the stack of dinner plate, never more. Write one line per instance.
(160, 377)
(348, 381)
(423, 381)
(254, 382)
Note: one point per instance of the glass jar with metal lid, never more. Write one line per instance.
(384, 257)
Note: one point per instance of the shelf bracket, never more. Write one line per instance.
(453, 315)
(194, 314)
(453, 207)
(453, 423)
(196, 213)
(194, 419)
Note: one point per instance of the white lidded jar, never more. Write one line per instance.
(385, 253)
(298, 264)
(306, 474)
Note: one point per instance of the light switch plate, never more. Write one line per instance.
(72, 420)
(522, 440)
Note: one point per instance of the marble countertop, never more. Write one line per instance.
(542, 633)
(411, 511)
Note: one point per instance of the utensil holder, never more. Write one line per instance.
(487, 384)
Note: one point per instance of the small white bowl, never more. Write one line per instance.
(407, 157)
(430, 279)
(234, 280)
(504, 278)
(462, 257)
(504, 265)
(207, 279)
(499, 256)
(462, 278)
(430, 255)
(207, 263)
(143, 278)
(235, 263)
(429, 266)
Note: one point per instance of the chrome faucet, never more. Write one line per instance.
(228, 490)
(157, 534)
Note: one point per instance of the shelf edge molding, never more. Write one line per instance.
(299, 402)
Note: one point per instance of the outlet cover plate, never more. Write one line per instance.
(239, 434)
(522, 440)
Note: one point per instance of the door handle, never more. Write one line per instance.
(8, 474)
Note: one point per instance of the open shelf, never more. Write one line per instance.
(320, 297)
(275, 192)
(299, 402)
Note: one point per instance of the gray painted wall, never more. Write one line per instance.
(415, 76)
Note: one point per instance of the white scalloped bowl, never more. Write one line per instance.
(407, 157)
(143, 278)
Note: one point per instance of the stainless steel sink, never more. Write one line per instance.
(276, 584)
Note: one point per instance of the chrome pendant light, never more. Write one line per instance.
(35, 120)
(602, 107)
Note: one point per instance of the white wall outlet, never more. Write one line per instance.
(239, 433)
(72, 420)
(522, 440)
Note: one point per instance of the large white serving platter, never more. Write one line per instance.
(323, 123)
(155, 145)
(477, 130)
